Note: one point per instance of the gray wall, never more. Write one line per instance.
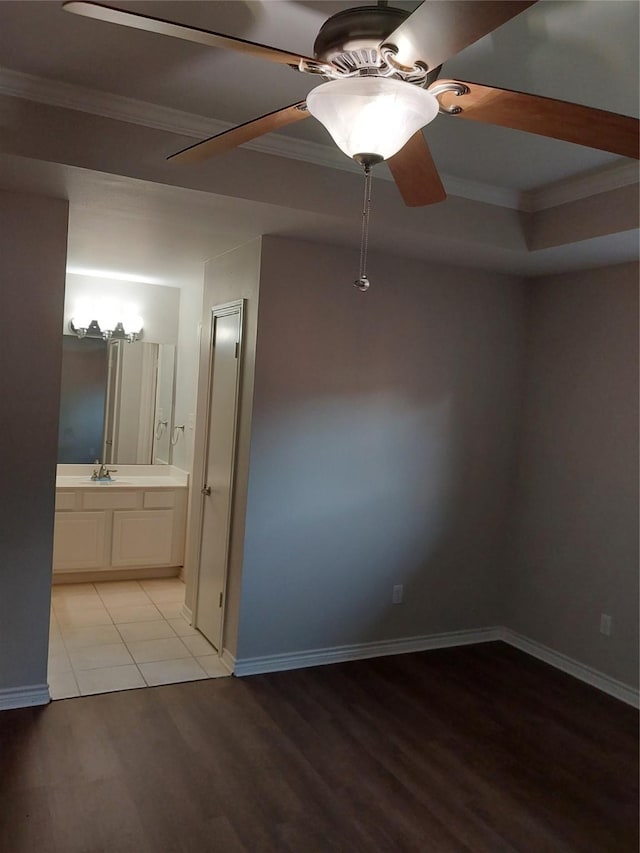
(227, 278)
(575, 547)
(33, 242)
(381, 449)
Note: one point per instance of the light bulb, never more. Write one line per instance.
(107, 316)
(83, 315)
(132, 324)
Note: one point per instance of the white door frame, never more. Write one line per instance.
(200, 469)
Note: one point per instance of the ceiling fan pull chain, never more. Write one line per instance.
(362, 282)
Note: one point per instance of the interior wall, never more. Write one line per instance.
(33, 245)
(611, 212)
(575, 541)
(187, 355)
(381, 449)
(232, 276)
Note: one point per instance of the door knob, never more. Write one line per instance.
(206, 490)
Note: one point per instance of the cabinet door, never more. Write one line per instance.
(142, 538)
(79, 541)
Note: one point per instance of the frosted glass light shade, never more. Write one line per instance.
(373, 116)
(106, 318)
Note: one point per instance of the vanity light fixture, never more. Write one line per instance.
(102, 322)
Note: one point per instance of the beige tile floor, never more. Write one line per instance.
(119, 635)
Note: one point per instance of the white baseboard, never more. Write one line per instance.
(61, 577)
(187, 613)
(359, 651)
(24, 697)
(603, 682)
(38, 694)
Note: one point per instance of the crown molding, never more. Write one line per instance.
(616, 176)
(55, 93)
(478, 191)
(18, 84)
(30, 87)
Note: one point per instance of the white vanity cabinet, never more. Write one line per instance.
(116, 530)
(79, 542)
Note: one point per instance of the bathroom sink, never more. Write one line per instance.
(71, 482)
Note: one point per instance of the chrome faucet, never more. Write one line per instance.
(102, 473)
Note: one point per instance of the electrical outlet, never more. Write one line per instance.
(605, 624)
(396, 595)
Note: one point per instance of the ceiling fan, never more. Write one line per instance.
(382, 71)
(379, 57)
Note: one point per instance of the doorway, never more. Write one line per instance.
(219, 468)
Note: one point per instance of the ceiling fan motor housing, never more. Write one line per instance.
(355, 30)
(350, 42)
(351, 39)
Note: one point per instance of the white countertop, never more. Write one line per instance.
(124, 477)
(119, 483)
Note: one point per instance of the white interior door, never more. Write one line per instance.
(219, 467)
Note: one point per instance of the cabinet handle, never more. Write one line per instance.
(206, 490)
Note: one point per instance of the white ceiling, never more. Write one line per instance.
(585, 52)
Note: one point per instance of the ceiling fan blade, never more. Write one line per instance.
(242, 133)
(168, 28)
(438, 29)
(594, 128)
(415, 173)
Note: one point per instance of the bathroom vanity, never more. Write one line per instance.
(132, 526)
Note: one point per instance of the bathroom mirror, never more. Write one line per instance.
(116, 402)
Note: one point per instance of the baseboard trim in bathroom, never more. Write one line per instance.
(24, 697)
(98, 576)
(359, 651)
(187, 614)
(228, 660)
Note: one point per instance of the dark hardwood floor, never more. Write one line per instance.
(478, 748)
